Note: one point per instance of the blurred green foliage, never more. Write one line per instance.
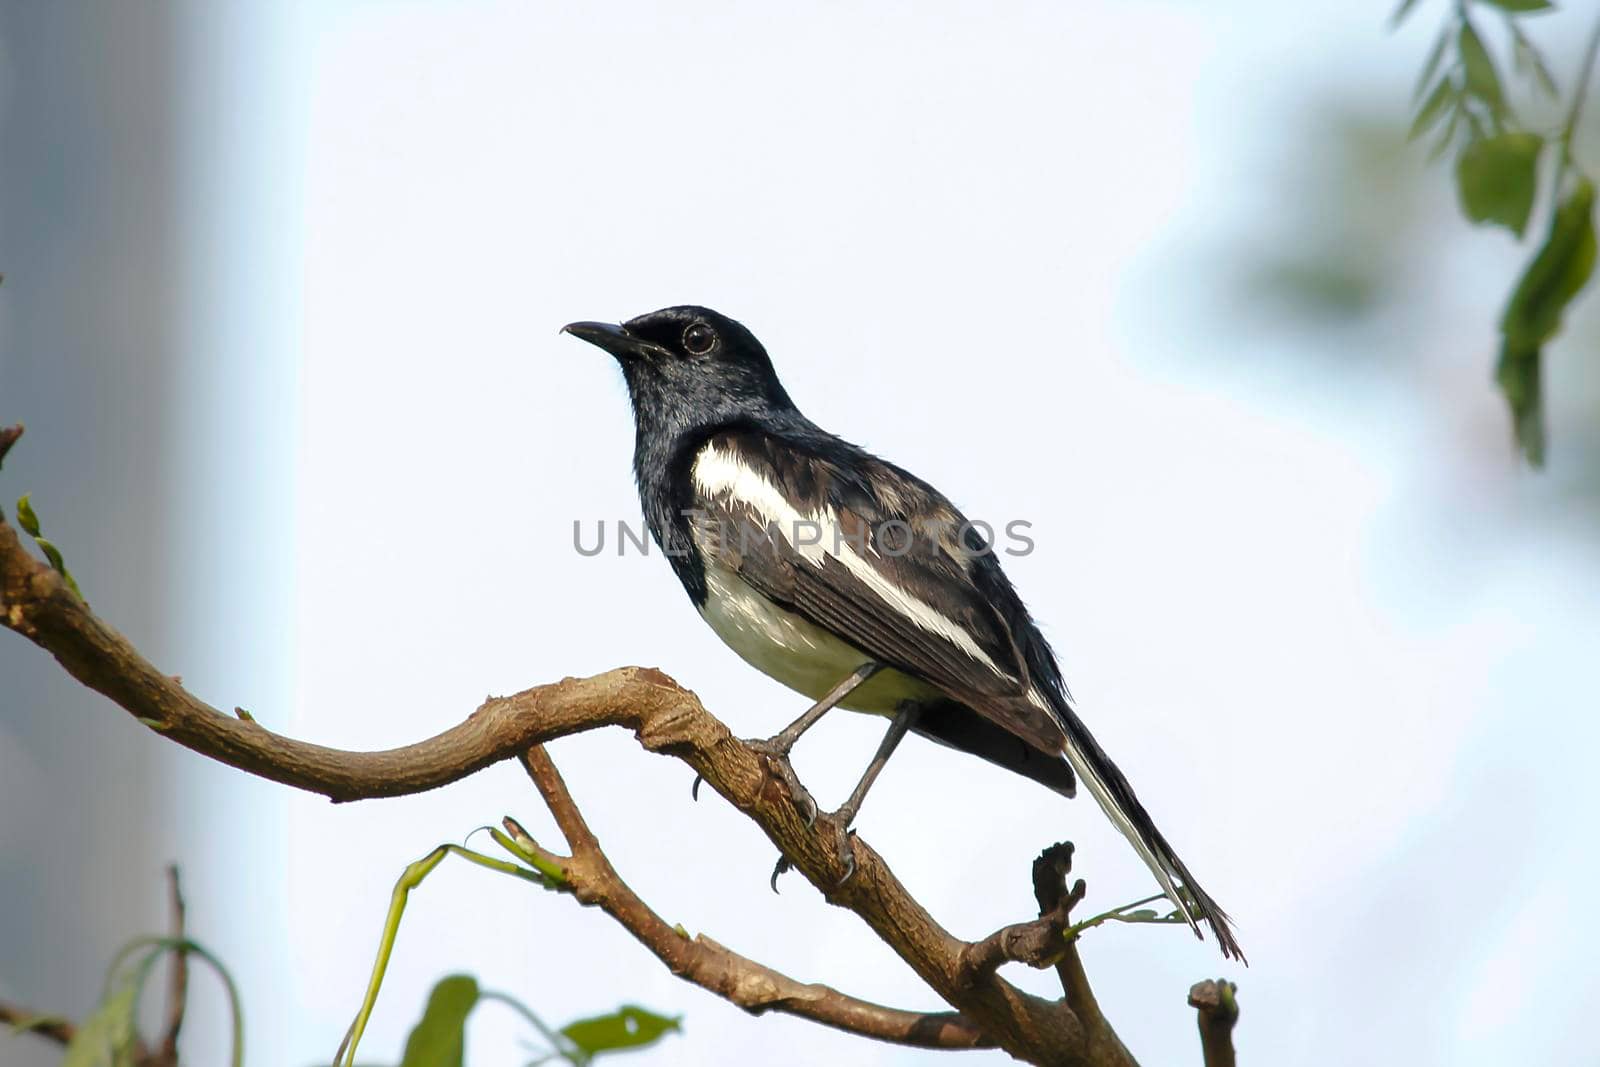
(439, 1037)
(109, 1035)
(1464, 104)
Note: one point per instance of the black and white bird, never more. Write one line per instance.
(851, 580)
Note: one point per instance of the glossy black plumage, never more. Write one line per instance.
(720, 447)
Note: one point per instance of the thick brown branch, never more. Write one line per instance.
(36, 603)
(51, 1028)
(1218, 1011)
(1038, 944)
(664, 717)
(750, 985)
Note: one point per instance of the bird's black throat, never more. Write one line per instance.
(681, 397)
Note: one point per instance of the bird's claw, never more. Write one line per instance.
(847, 857)
(777, 762)
(783, 866)
(694, 790)
(807, 806)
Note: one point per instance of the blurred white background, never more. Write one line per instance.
(1340, 642)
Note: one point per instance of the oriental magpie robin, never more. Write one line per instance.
(851, 580)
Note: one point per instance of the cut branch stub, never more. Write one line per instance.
(8, 437)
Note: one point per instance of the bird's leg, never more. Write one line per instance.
(778, 746)
(904, 719)
(781, 742)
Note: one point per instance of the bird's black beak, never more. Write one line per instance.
(612, 338)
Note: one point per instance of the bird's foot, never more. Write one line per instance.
(846, 850)
(782, 867)
(776, 760)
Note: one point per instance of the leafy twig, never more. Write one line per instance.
(1125, 913)
(1497, 180)
(29, 521)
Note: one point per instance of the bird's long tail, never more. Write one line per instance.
(1122, 807)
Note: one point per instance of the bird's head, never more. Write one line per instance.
(689, 362)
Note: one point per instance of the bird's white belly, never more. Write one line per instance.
(798, 653)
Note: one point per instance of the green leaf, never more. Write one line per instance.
(52, 553)
(626, 1028)
(1557, 273)
(30, 522)
(440, 1037)
(1431, 66)
(1529, 61)
(1482, 81)
(1521, 5)
(1448, 135)
(1518, 373)
(106, 1038)
(25, 516)
(1497, 179)
(1533, 316)
(1401, 12)
(1432, 108)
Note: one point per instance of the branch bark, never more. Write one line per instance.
(166, 1052)
(51, 1028)
(1217, 1012)
(666, 719)
(8, 437)
(756, 988)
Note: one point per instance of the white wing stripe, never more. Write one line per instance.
(720, 472)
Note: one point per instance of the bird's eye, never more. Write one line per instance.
(698, 339)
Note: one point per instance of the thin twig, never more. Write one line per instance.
(536, 854)
(553, 790)
(752, 986)
(166, 1053)
(50, 1027)
(1585, 72)
(1055, 899)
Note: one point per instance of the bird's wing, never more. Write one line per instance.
(878, 558)
(935, 608)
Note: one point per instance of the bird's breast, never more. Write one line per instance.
(795, 651)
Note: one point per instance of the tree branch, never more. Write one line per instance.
(756, 988)
(50, 1027)
(1050, 890)
(166, 1052)
(1218, 1011)
(665, 718)
(8, 437)
(35, 602)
